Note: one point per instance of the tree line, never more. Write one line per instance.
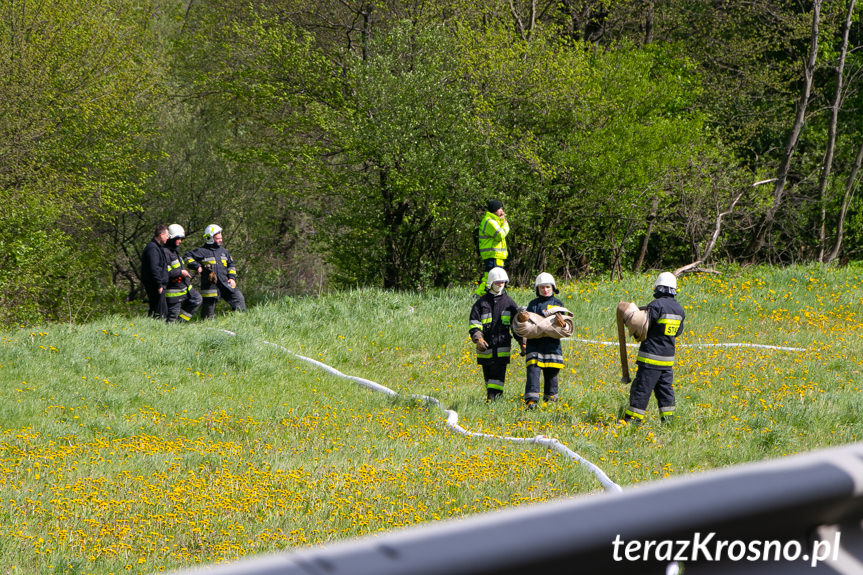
(356, 142)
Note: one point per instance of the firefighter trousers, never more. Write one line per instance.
(494, 374)
(531, 388)
(184, 307)
(651, 381)
(234, 297)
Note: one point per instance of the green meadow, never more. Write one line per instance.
(129, 445)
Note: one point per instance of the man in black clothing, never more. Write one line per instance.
(154, 273)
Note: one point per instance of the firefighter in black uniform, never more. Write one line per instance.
(656, 353)
(183, 300)
(154, 273)
(544, 354)
(218, 273)
(490, 329)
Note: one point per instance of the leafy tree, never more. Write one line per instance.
(410, 165)
(74, 91)
(240, 143)
(594, 134)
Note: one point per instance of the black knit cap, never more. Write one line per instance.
(494, 205)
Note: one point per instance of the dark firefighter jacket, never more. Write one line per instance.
(493, 316)
(178, 286)
(666, 323)
(217, 259)
(544, 351)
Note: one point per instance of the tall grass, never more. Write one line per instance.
(135, 446)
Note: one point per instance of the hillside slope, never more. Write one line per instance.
(134, 445)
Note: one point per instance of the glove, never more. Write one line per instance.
(558, 320)
(211, 275)
(523, 349)
(481, 344)
(522, 316)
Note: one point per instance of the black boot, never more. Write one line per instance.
(633, 421)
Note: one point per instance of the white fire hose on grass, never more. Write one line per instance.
(548, 442)
(452, 419)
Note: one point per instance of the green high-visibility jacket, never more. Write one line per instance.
(492, 237)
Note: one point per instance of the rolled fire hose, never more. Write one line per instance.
(621, 338)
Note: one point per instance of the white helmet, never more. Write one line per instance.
(176, 231)
(666, 280)
(496, 275)
(544, 278)
(210, 232)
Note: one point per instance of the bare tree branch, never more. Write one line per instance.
(519, 24)
(714, 237)
(831, 134)
(790, 147)
(524, 32)
(850, 188)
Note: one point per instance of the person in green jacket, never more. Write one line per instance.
(491, 241)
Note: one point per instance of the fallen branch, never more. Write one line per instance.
(717, 227)
(693, 268)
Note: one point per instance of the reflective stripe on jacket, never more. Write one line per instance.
(219, 260)
(493, 316)
(177, 287)
(492, 237)
(666, 323)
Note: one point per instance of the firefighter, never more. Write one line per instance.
(218, 274)
(655, 360)
(490, 329)
(544, 354)
(154, 273)
(182, 299)
(491, 241)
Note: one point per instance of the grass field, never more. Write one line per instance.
(128, 445)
